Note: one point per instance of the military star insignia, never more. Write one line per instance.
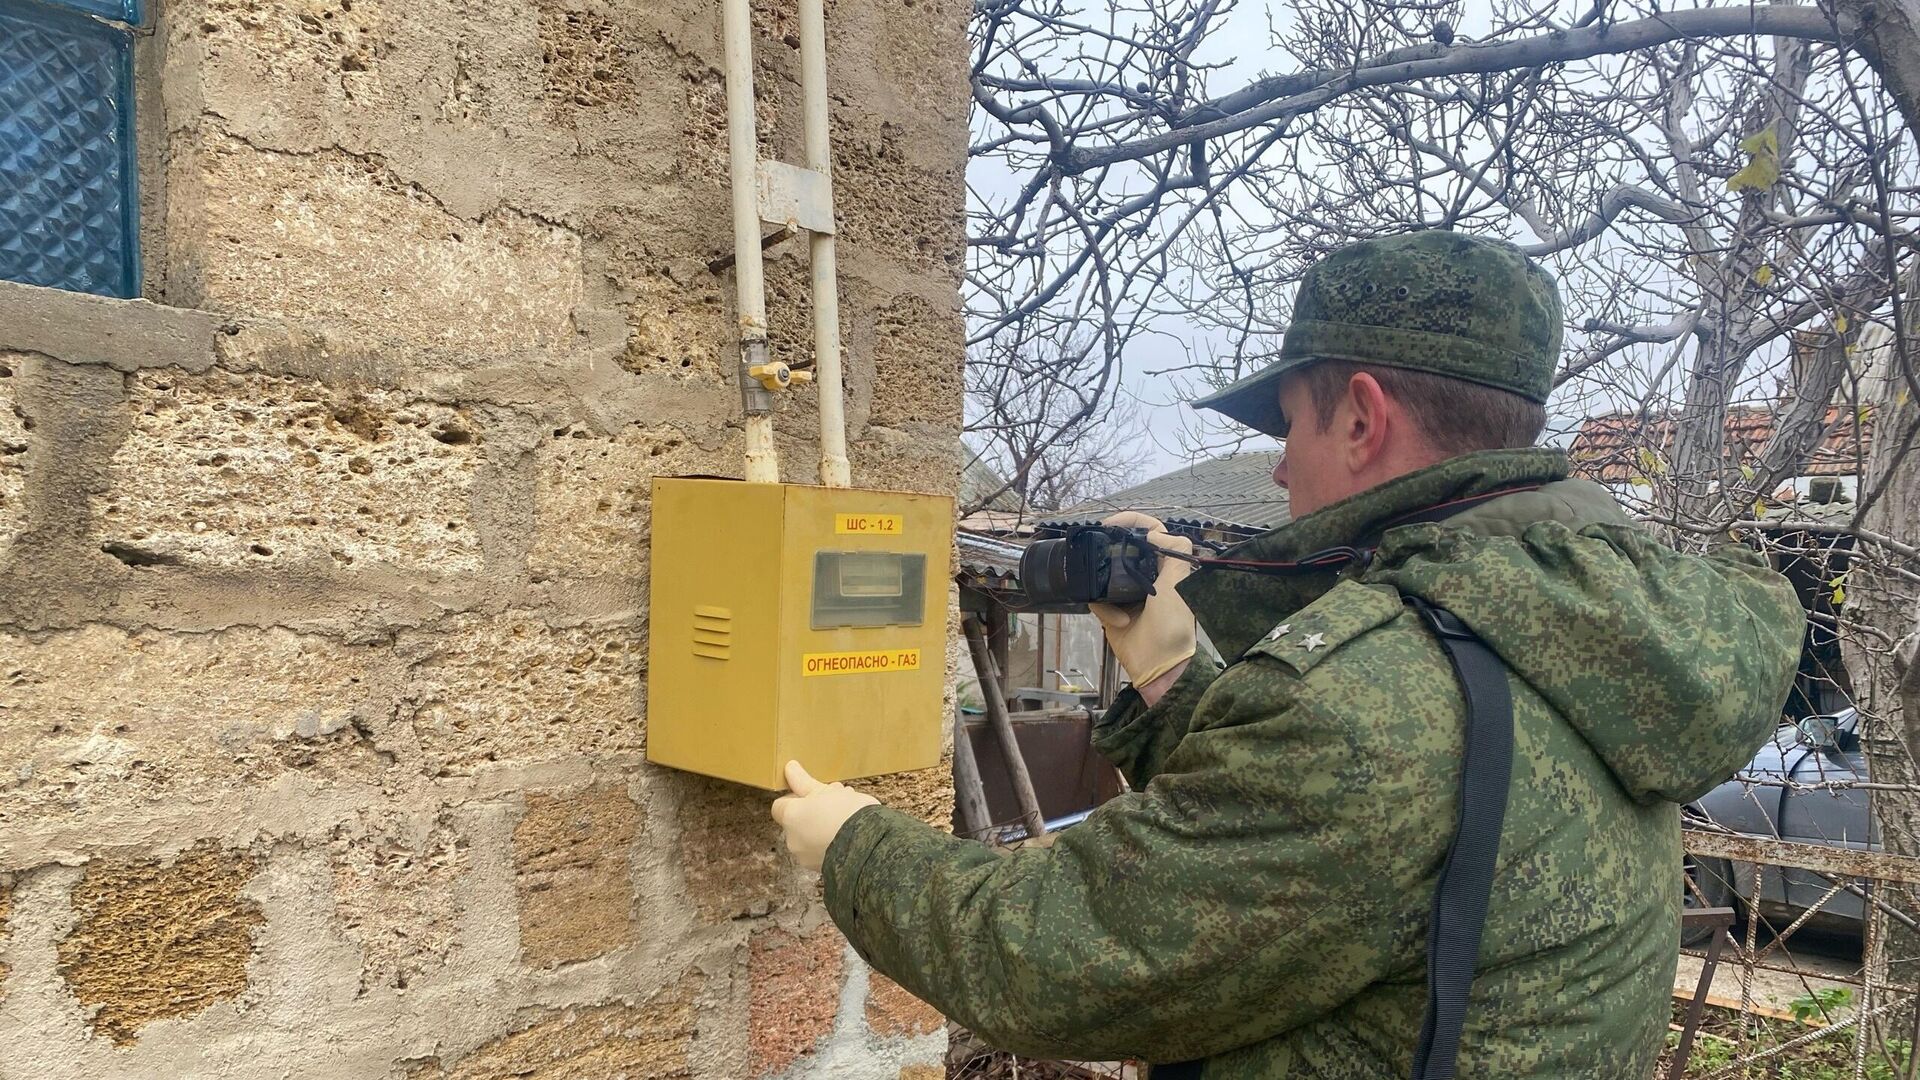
(1313, 641)
(1279, 632)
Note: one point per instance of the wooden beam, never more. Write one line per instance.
(969, 793)
(1003, 728)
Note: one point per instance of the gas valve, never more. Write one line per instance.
(778, 376)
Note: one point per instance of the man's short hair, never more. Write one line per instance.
(1455, 416)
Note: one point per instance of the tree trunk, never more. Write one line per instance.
(1892, 45)
(1879, 633)
(1883, 604)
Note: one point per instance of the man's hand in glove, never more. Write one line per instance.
(814, 813)
(1153, 640)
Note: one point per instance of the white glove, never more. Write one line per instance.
(1157, 636)
(813, 814)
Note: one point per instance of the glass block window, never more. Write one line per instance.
(68, 202)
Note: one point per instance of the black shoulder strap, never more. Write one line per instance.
(1466, 877)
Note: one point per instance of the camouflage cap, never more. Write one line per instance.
(1435, 301)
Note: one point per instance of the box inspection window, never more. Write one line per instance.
(868, 588)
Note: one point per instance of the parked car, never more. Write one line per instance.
(1817, 750)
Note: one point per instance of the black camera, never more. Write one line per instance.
(1089, 564)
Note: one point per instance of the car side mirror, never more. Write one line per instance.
(1822, 732)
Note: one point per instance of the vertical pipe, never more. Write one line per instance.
(826, 278)
(743, 152)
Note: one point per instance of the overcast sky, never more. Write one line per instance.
(1171, 427)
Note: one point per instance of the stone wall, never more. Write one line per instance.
(323, 570)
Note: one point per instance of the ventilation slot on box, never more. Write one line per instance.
(713, 632)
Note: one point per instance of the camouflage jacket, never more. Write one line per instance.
(1260, 900)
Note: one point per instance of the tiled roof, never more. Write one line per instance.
(1235, 493)
(1610, 448)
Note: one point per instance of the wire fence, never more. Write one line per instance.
(1813, 973)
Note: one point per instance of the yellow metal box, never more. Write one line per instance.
(793, 622)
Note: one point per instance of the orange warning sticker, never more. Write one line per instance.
(866, 662)
(869, 524)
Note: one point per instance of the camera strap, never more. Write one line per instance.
(1334, 558)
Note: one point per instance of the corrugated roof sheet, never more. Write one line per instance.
(1235, 492)
(987, 562)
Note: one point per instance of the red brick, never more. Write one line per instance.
(891, 1010)
(796, 992)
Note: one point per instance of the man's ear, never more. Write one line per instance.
(1365, 433)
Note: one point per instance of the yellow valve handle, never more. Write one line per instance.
(778, 376)
(774, 376)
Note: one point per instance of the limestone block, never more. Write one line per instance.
(15, 440)
(586, 60)
(164, 716)
(924, 793)
(918, 356)
(900, 461)
(795, 992)
(510, 688)
(337, 238)
(790, 306)
(892, 1011)
(281, 43)
(731, 853)
(227, 469)
(394, 888)
(909, 51)
(608, 1042)
(158, 939)
(677, 323)
(900, 199)
(574, 876)
(593, 498)
(704, 127)
(704, 131)
(6, 909)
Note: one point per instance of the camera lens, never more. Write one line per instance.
(1043, 572)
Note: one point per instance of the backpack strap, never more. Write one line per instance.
(1459, 912)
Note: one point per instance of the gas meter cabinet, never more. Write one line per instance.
(791, 622)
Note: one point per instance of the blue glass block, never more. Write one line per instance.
(126, 11)
(68, 202)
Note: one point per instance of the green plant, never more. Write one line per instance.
(1820, 1004)
(1879, 1068)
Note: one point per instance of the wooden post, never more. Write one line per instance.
(969, 793)
(1003, 727)
(1000, 645)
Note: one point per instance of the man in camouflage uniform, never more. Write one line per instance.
(1261, 899)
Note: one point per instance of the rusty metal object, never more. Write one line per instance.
(1845, 862)
(1720, 919)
